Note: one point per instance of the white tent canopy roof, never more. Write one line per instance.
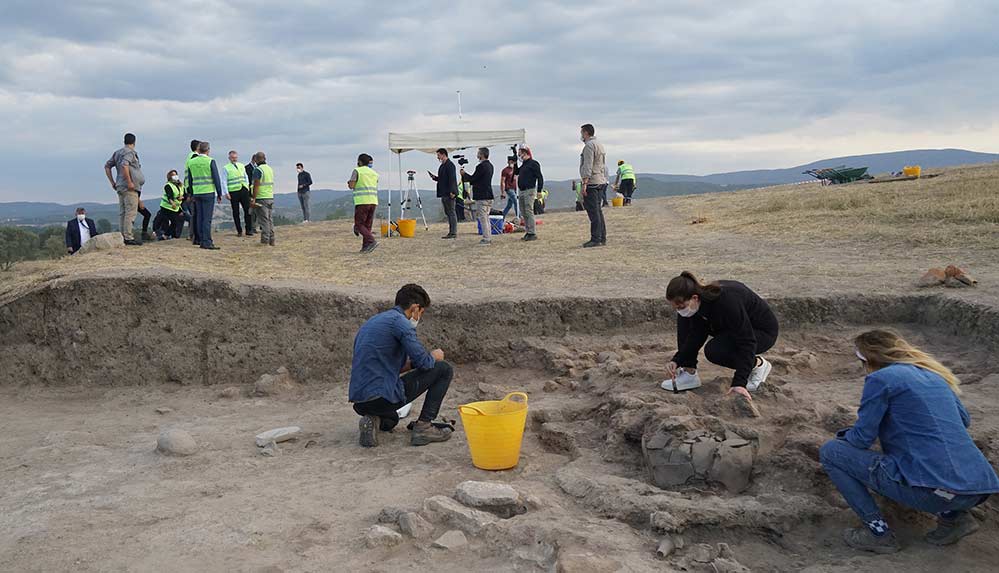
(431, 141)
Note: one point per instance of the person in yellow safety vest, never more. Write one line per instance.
(364, 183)
(238, 194)
(540, 202)
(263, 198)
(169, 221)
(576, 187)
(625, 181)
(204, 183)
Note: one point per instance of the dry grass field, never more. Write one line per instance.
(789, 240)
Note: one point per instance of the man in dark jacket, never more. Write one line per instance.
(530, 181)
(482, 192)
(447, 190)
(79, 230)
(304, 186)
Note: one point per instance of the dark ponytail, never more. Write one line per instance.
(686, 285)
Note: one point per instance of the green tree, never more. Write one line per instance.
(103, 226)
(16, 245)
(54, 247)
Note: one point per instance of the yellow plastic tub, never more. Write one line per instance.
(912, 170)
(385, 229)
(617, 201)
(407, 227)
(495, 429)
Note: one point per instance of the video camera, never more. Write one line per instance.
(411, 174)
(461, 160)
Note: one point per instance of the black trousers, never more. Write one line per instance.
(239, 199)
(721, 350)
(627, 189)
(594, 196)
(194, 222)
(146, 215)
(168, 223)
(452, 217)
(433, 382)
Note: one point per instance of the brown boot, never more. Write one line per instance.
(425, 433)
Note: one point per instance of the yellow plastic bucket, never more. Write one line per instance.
(912, 170)
(617, 201)
(407, 227)
(495, 429)
(385, 229)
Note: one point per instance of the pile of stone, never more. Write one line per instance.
(474, 507)
(681, 451)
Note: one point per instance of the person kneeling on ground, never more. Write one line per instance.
(927, 459)
(385, 346)
(742, 324)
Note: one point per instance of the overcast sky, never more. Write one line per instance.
(681, 86)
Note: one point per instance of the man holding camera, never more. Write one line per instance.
(482, 192)
(447, 190)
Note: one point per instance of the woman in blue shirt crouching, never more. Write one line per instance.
(927, 460)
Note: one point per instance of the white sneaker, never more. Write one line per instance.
(404, 411)
(759, 375)
(684, 381)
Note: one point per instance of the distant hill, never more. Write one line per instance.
(876, 163)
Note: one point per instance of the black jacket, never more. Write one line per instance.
(304, 182)
(482, 181)
(529, 176)
(73, 232)
(736, 314)
(447, 179)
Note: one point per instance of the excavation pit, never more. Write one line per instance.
(89, 363)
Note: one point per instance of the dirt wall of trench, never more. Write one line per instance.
(119, 331)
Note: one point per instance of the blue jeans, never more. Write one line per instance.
(511, 203)
(857, 472)
(205, 209)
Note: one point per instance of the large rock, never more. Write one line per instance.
(278, 435)
(464, 518)
(279, 383)
(452, 541)
(103, 242)
(413, 525)
(381, 536)
(498, 498)
(176, 442)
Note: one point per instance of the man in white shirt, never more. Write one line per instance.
(79, 230)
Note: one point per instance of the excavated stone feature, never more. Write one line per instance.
(498, 498)
(467, 519)
(679, 453)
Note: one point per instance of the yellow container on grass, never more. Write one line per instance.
(912, 170)
(495, 429)
(407, 227)
(617, 201)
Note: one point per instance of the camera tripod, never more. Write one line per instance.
(407, 200)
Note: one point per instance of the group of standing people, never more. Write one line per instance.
(193, 195)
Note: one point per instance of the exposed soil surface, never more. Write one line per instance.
(85, 490)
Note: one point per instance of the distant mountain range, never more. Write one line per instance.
(338, 203)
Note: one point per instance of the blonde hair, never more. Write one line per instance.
(883, 348)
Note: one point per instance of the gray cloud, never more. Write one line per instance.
(677, 86)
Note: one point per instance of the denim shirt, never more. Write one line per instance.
(922, 426)
(381, 348)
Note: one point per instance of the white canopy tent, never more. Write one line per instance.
(431, 141)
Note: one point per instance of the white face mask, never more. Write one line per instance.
(414, 322)
(81, 218)
(690, 310)
(174, 178)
